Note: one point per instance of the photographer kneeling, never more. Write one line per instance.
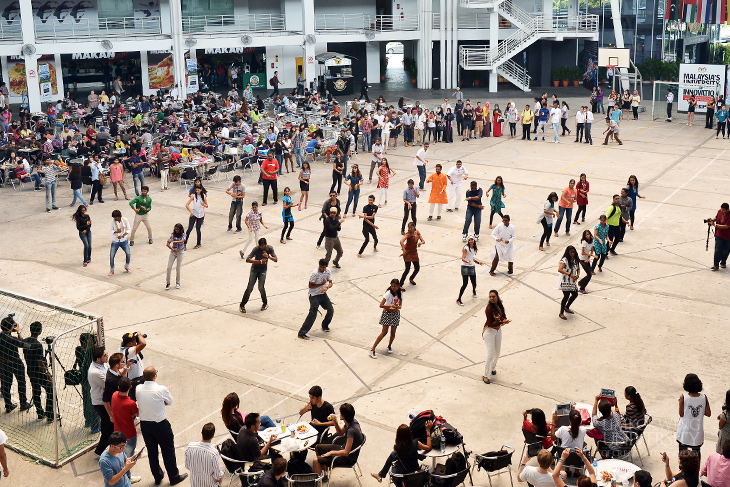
(722, 236)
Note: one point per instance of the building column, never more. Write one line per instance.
(144, 67)
(179, 66)
(372, 55)
(455, 44)
(59, 76)
(310, 64)
(446, 44)
(493, 46)
(31, 62)
(442, 44)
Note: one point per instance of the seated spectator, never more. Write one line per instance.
(247, 445)
(350, 430)
(583, 480)
(313, 147)
(538, 425)
(234, 419)
(540, 476)
(272, 478)
(689, 470)
(320, 409)
(572, 436)
(404, 457)
(635, 410)
(717, 467)
(609, 423)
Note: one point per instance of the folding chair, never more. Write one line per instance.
(188, 176)
(419, 478)
(620, 450)
(349, 461)
(304, 479)
(533, 443)
(639, 430)
(495, 462)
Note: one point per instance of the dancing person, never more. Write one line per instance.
(332, 202)
(564, 112)
(83, 225)
(612, 129)
(391, 305)
(332, 226)
(456, 175)
(632, 187)
(237, 192)
(504, 249)
(353, 180)
(269, 174)
(569, 270)
(565, 206)
(197, 214)
(492, 333)
(74, 177)
(116, 174)
(546, 219)
(409, 251)
(120, 231)
(141, 205)
(601, 243)
(305, 174)
(286, 215)
(468, 269)
(368, 225)
(338, 166)
(495, 202)
(586, 252)
(405, 455)
(438, 195)
(320, 281)
(474, 209)
(377, 156)
(384, 174)
(176, 244)
(626, 209)
(254, 221)
(259, 259)
(581, 198)
(613, 215)
(410, 194)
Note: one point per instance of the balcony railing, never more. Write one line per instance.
(235, 23)
(105, 27)
(11, 32)
(341, 22)
(387, 23)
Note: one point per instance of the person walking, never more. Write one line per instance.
(368, 225)
(332, 225)
(581, 197)
(613, 215)
(254, 221)
(320, 281)
(495, 203)
(74, 177)
(626, 209)
(237, 192)
(176, 244)
(420, 162)
(504, 249)
(384, 174)
(468, 268)
(286, 215)
(353, 180)
(546, 219)
(456, 175)
(601, 244)
(556, 115)
(269, 175)
(569, 270)
(391, 305)
(83, 225)
(96, 187)
(259, 259)
(586, 252)
(565, 207)
(116, 174)
(632, 186)
(305, 174)
(274, 82)
(377, 152)
(409, 251)
(580, 122)
(141, 205)
(152, 399)
(438, 196)
(120, 231)
(492, 334)
(410, 195)
(199, 203)
(474, 209)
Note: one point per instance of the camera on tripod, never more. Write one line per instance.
(708, 220)
(49, 340)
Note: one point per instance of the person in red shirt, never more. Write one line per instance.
(124, 410)
(722, 236)
(582, 198)
(269, 170)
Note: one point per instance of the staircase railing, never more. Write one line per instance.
(511, 9)
(517, 73)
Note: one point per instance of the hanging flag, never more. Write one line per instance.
(720, 12)
(690, 11)
(708, 9)
(672, 8)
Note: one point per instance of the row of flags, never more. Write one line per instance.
(697, 11)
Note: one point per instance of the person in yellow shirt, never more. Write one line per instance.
(527, 117)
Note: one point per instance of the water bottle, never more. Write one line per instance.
(443, 443)
(595, 464)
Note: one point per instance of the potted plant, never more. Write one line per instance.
(576, 75)
(556, 77)
(411, 69)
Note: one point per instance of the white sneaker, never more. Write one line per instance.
(463, 238)
(177, 286)
(371, 354)
(134, 479)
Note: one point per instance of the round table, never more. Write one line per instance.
(437, 453)
(621, 470)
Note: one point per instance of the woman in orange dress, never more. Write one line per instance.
(438, 194)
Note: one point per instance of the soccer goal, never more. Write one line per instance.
(681, 94)
(49, 370)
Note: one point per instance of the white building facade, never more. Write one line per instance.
(157, 36)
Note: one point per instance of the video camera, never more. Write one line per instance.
(708, 220)
(49, 340)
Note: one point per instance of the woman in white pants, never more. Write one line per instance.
(492, 333)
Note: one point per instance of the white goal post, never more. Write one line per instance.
(682, 93)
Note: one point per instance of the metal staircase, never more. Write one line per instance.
(515, 74)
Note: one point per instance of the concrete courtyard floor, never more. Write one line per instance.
(652, 316)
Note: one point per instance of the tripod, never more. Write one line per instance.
(707, 242)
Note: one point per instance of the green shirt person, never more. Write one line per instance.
(141, 205)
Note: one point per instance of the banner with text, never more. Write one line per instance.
(702, 81)
(192, 72)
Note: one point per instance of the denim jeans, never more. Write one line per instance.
(556, 128)
(367, 144)
(280, 159)
(86, 239)
(314, 303)
(254, 276)
(78, 194)
(722, 250)
(266, 422)
(50, 194)
(421, 176)
(352, 197)
(35, 178)
(125, 247)
(300, 156)
(138, 178)
(131, 446)
(476, 214)
(562, 212)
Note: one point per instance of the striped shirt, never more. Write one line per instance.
(299, 140)
(204, 463)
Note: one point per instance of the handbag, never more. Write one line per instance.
(102, 179)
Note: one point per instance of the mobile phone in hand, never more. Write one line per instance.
(137, 455)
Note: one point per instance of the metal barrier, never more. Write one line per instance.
(11, 32)
(227, 23)
(105, 27)
(341, 22)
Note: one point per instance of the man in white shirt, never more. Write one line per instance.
(419, 122)
(580, 121)
(670, 102)
(587, 126)
(456, 175)
(446, 105)
(504, 249)
(377, 157)
(224, 132)
(420, 163)
(387, 126)
(614, 129)
(555, 114)
(156, 430)
(120, 231)
(203, 460)
(132, 346)
(96, 375)
(174, 93)
(320, 281)
(536, 108)
(540, 476)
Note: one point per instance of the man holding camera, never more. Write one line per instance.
(132, 346)
(722, 236)
(11, 365)
(40, 376)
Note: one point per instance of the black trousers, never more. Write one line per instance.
(525, 131)
(271, 183)
(194, 222)
(289, 224)
(492, 213)
(405, 215)
(579, 132)
(8, 370)
(416, 268)
(535, 121)
(159, 437)
(368, 230)
(599, 261)
(614, 232)
(568, 298)
(621, 231)
(546, 231)
(721, 127)
(565, 127)
(581, 209)
(460, 126)
(669, 111)
(709, 118)
(96, 189)
(38, 383)
(336, 181)
(465, 281)
(107, 428)
(587, 278)
(513, 129)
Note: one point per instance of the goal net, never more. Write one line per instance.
(47, 371)
(682, 92)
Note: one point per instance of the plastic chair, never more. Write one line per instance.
(349, 461)
(304, 480)
(639, 430)
(620, 450)
(226, 169)
(533, 443)
(452, 480)
(419, 478)
(495, 463)
(188, 176)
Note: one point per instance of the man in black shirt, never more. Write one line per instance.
(333, 202)
(247, 444)
(468, 114)
(343, 143)
(40, 377)
(273, 477)
(259, 260)
(332, 225)
(459, 115)
(11, 365)
(368, 225)
(320, 409)
(117, 370)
